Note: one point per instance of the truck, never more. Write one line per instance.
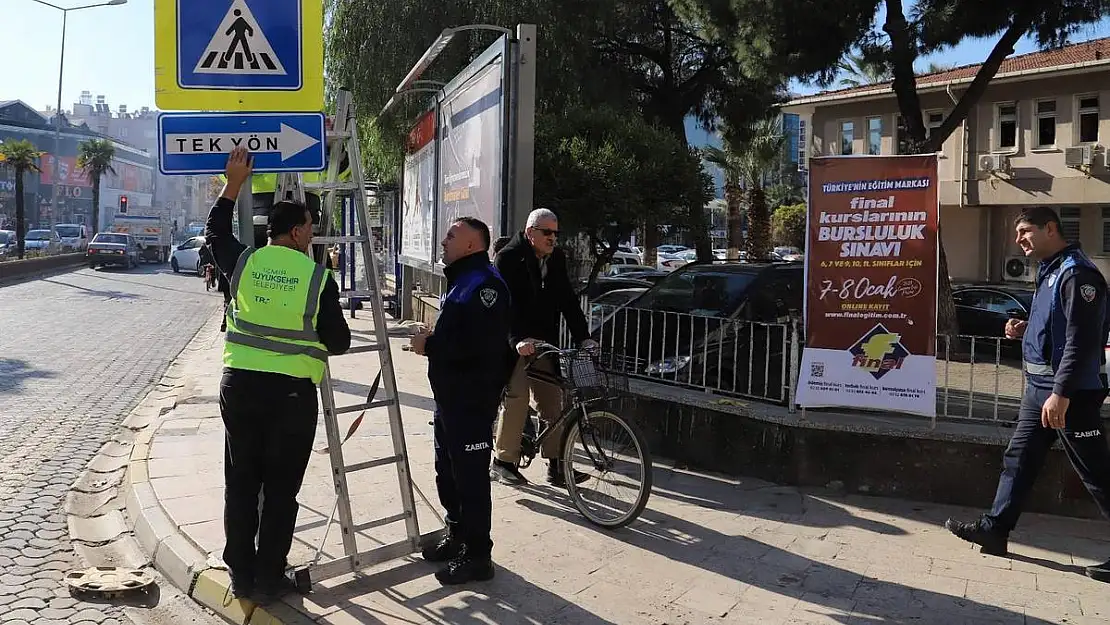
(151, 232)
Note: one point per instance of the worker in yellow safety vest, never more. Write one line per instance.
(283, 321)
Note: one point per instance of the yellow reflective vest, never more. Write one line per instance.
(271, 320)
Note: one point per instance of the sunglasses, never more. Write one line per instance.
(547, 232)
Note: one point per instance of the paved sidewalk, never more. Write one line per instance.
(707, 550)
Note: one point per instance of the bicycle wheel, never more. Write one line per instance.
(613, 455)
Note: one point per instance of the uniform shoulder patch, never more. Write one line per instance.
(488, 297)
(1088, 292)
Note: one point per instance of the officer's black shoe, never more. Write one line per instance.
(272, 590)
(448, 548)
(990, 543)
(1099, 572)
(555, 475)
(506, 473)
(466, 568)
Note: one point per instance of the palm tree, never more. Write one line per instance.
(95, 158)
(861, 71)
(760, 153)
(22, 156)
(730, 165)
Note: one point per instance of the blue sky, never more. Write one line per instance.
(110, 51)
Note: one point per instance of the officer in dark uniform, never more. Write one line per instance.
(1065, 372)
(468, 369)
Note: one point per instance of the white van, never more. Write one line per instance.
(74, 237)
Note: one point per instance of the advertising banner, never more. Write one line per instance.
(418, 184)
(470, 157)
(871, 284)
(69, 173)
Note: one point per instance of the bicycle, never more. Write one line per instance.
(584, 383)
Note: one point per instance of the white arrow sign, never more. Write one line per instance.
(288, 141)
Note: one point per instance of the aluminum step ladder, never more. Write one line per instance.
(335, 196)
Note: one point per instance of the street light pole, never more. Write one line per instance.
(55, 169)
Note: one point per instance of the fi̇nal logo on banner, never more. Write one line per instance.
(879, 352)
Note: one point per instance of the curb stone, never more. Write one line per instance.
(100, 504)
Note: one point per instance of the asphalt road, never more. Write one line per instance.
(77, 351)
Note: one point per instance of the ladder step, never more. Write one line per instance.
(331, 186)
(349, 238)
(363, 349)
(370, 464)
(338, 135)
(360, 407)
(361, 294)
(380, 522)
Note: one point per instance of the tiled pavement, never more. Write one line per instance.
(708, 549)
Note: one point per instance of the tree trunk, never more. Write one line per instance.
(733, 200)
(20, 226)
(946, 306)
(96, 205)
(759, 225)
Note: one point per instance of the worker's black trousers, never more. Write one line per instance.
(1084, 443)
(270, 422)
(463, 445)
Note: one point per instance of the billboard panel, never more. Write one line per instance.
(871, 284)
(418, 196)
(471, 152)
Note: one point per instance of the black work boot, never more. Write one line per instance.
(1099, 572)
(466, 568)
(555, 475)
(448, 548)
(990, 542)
(242, 585)
(273, 589)
(506, 473)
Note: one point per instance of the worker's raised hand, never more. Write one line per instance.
(239, 166)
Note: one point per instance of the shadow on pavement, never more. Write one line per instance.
(14, 372)
(852, 596)
(83, 290)
(506, 600)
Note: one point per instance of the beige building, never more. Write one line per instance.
(1037, 136)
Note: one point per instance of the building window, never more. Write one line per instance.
(1005, 128)
(802, 164)
(1106, 230)
(1046, 123)
(875, 135)
(847, 136)
(1069, 222)
(1088, 119)
(933, 120)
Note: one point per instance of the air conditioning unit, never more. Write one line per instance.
(1079, 156)
(1018, 269)
(989, 163)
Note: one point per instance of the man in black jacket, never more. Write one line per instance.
(466, 369)
(536, 271)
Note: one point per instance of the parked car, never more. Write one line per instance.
(187, 256)
(604, 284)
(7, 243)
(73, 237)
(42, 241)
(720, 325)
(651, 275)
(982, 310)
(116, 249)
(620, 270)
(605, 305)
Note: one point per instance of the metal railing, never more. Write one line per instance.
(977, 378)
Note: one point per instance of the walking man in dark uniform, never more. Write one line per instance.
(283, 321)
(468, 367)
(1065, 372)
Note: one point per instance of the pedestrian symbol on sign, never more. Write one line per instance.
(239, 47)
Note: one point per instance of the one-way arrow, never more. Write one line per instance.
(287, 141)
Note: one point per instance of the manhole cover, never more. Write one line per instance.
(108, 579)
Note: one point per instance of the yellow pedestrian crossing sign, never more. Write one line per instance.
(236, 55)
